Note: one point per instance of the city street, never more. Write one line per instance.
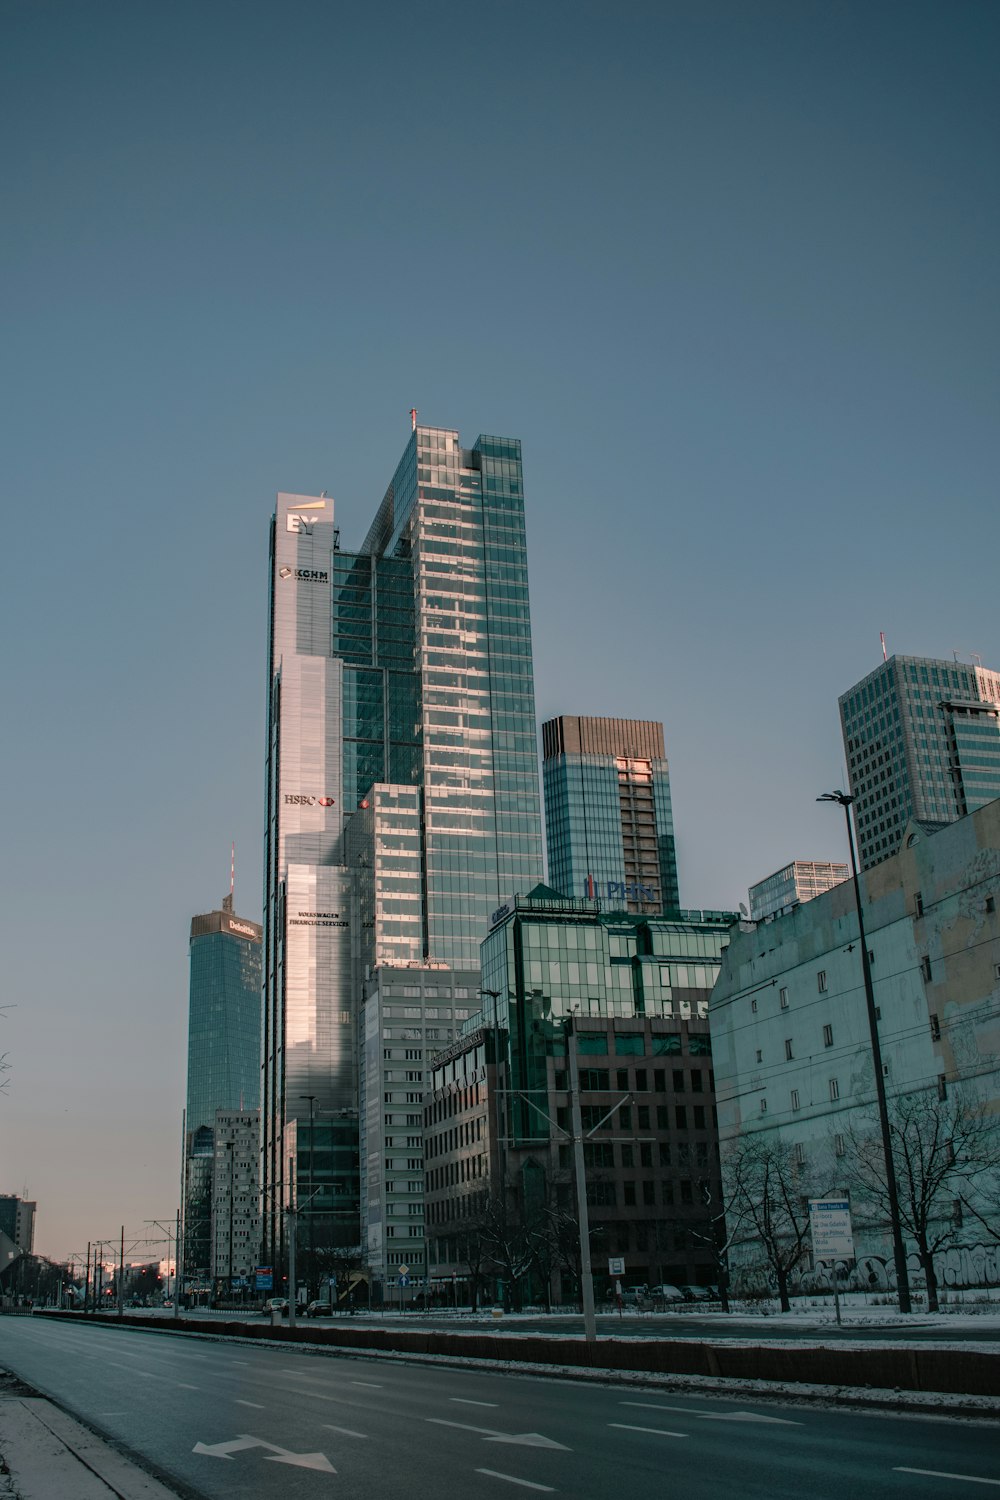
(226, 1420)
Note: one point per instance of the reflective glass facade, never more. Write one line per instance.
(923, 740)
(402, 778)
(800, 881)
(608, 815)
(223, 1070)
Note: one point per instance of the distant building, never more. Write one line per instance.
(790, 886)
(223, 1069)
(498, 1103)
(922, 739)
(17, 1221)
(608, 815)
(790, 1036)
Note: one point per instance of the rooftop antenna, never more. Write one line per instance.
(413, 419)
(881, 636)
(227, 901)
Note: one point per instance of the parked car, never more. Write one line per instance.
(696, 1293)
(275, 1304)
(666, 1293)
(319, 1310)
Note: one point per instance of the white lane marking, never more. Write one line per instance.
(346, 1431)
(255, 1404)
(461, 1401)
(526, 1484)
(185, 1387)
(239, 1361)
(369, 1385)
(146, 1374)
(939, 1474)
(657, 1430)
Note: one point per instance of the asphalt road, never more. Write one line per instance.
(255, 1423)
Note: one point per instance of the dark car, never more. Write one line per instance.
(319, 1310)
(696, 1293)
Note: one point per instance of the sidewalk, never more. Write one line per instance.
(47, 1455)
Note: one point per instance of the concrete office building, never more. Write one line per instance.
(498, 1104)
(791, 885)
(410, 1014)
(235, 1200)
(608, 817)
(790, 1036)
(223, 1060)
(922, 740)
(402, 780)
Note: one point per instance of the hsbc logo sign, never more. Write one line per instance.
(300, 799)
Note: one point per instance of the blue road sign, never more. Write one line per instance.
(404, 1281)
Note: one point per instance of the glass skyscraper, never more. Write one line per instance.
(223, 1070)
(402, 780)
(922, 739)
(608, 817)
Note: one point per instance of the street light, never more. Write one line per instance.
(898, 1250)
(312, 1106)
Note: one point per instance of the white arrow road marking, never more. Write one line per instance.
(528, 1440)
(745, 1416)
(526, 1484)
(525, 1439)
(657, 1430)
(712, 1416)
(276, 1456)
(938, 1474)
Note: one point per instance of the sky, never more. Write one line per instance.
(728, 270)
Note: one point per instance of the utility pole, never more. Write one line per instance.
(892, 1194)
(579, 1172)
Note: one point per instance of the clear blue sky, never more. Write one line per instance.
(727, 269)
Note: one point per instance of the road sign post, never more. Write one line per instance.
(830, 1226)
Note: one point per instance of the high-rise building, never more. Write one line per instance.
(608, 817)
(792, 884)
(223, 1058)
(402, 778)
(922, 739)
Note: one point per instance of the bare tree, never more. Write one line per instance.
(938, 1147)
(765, 1186)
(719, 1229)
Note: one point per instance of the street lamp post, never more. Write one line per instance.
(898, 1249)
(312, 1108)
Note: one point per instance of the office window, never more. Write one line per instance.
(795, 1098)
(783, 998)
(834, 1089)
(788, 1049)
(821, 981)
(838, 1145)
(763, 1106)
(827, 1036)
(925, 967)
